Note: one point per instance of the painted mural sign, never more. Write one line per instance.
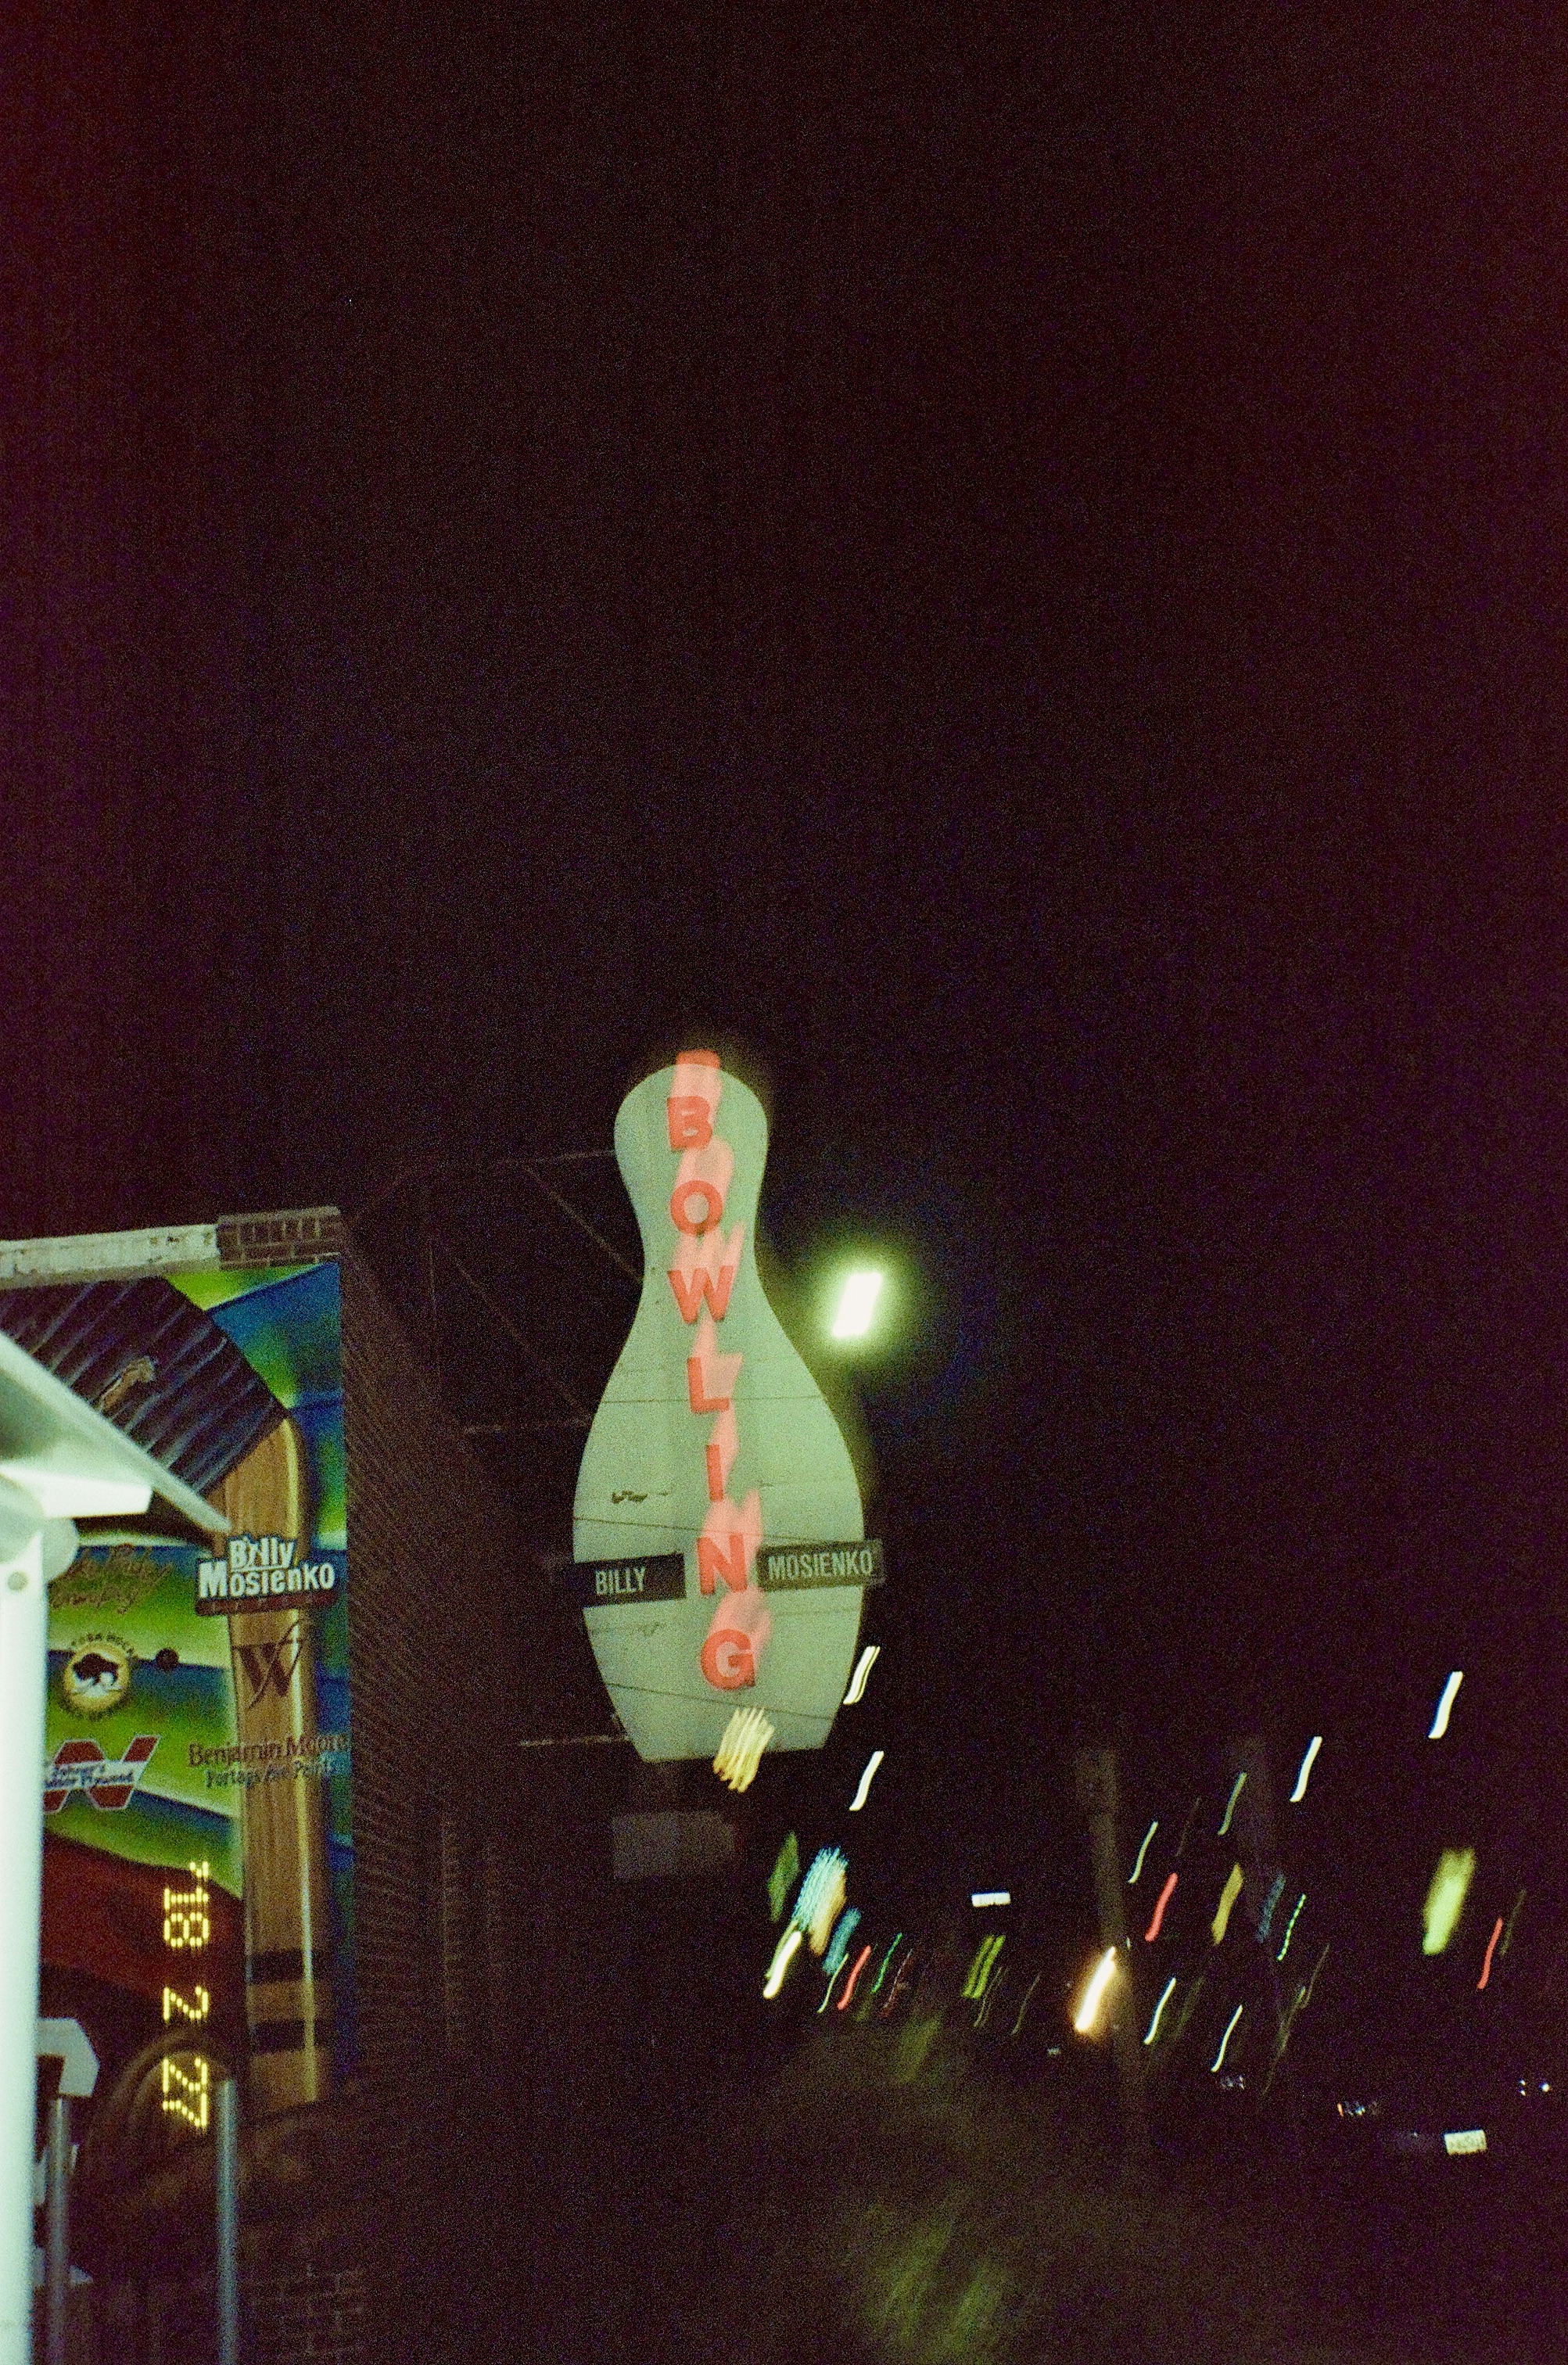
(713, 1441)
(199, 1869)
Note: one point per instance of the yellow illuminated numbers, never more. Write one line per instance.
(187, 1927)
(187, 2092)
(186, 1919)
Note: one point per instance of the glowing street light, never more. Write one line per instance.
(857, 1305)
(1088, 2012)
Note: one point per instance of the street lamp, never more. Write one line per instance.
(60, 1461)
(857, 1304)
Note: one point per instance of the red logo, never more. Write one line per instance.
(109, 1790)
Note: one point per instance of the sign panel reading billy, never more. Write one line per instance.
(198, 1871)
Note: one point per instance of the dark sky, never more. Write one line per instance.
(1009, 559)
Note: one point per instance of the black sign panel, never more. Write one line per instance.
(791, 1568)
(656, 1576)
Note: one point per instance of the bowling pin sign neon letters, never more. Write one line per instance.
(702, 1280)
(711, 1437)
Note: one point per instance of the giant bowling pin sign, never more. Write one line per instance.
(712, 1441)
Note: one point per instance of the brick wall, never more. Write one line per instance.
(306, 2316)
(443, 1595)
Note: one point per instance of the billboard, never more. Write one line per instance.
(711, 1448)
(198, 1861)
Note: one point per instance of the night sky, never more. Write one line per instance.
(1006, 560)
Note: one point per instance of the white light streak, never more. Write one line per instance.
(872, 1762)
(1313, 1746)
(1445, 1706)
(857, 1304)
(1083, 2019)
(866, 1660)
(1225, 2040)
(1159, 2007)
(990, 1897)
(1143, 1852)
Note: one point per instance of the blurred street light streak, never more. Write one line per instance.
(1143, 1851)
(827, 1992)
(1227, 1898)
(984, 1964)
(1236, 1790)
(746, 1735)
(782, 1879)
(783, 1956)
(1159, 2007)
(821, 1896)
(901, 1979)
(838, 1946)
(887, 1958)
(1225, 2040)
(1093, 1995)
(1445, 1898)
(1157, 1916)
(1445, 1706)
(1284, 2037)
(1290, 1925)
(1312, 1982)
(1491, 1948)
(1025, 2005)
(986, 2000)
(861, 1959)
(990, 1897)
(1313, 1746)
(872, 1762)
(864, 1666)
(1513, 1917)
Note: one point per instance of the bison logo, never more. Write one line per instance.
(96, 1676)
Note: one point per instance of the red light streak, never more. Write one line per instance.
(1486, 1965)
(860, 1961)
(1153, 1930)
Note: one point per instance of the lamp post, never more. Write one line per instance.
(60, 1461)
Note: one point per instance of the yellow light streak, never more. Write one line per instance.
(1445, 1898)
(1227, 1898)
(1093, 1995)
(784, 1954)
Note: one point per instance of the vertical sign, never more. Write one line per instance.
(712, 1441)
(197, 1839)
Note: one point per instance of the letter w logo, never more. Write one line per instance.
(266, 1665)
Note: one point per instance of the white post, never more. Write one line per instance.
(60, 1461)
(24, 1663)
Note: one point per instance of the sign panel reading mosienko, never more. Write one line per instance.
(788, 1568)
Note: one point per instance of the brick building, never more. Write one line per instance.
(390, 2113)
